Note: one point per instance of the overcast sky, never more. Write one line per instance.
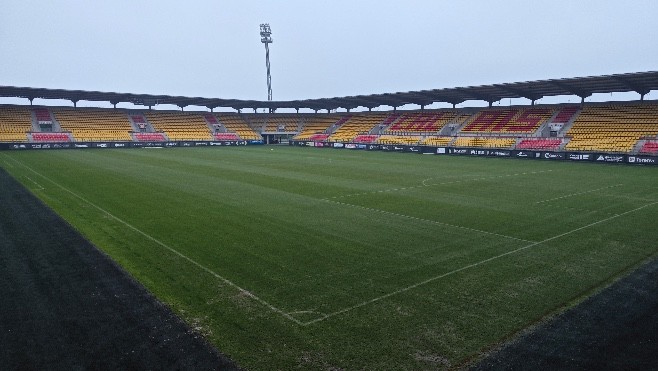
(321, 48)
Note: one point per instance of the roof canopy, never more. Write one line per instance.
(640, 82)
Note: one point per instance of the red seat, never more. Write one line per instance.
(551, 144)
(226, 136)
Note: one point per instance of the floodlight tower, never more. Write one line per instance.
(266, 38)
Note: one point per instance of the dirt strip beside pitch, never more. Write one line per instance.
(65, 305)
(615, 329)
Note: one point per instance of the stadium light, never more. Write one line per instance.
(266, 38)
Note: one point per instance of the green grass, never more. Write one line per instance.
(416, 261)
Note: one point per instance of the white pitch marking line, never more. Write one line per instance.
(8, 164)
(424, 220)
(424, 184)
(578, 194)
(38, 185)
(202, 267)
(379, 298)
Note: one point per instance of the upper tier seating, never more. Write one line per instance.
(275, 123)
(422, 122)
(211, 119)
(180, 126)
(138, 119)
(614, 128)
(565, 114)
(94, 125)
(43, 115)
(359, 124)
(15, 123)
(234, 123)
(515, 121)
(318, 125)
(141, 123)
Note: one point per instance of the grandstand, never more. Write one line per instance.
(236, 124)
(180, 126)
(15, 124)
(316, 127)
(624, 128)
(613, 128)
(629, 128)
(508, 121)
(93, 125)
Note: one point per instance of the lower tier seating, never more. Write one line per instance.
(226, 137)
(650, 148)
(150, 137)
(50, 137)
(545, 144)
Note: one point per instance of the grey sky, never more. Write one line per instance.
(321, 48)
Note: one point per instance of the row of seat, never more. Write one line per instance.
(50, 137)
(94, 125)
(520, 121)
(15, 123)
(422, 123)
(317, 125)
(236, 124)
(613, 128)
(150, 137)
(226, 136)
(649, 148)
(180, 126)
(550, 144)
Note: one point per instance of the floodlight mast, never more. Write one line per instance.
(266, 38)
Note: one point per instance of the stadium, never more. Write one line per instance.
(398, 230)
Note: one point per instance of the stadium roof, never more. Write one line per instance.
(640, 82)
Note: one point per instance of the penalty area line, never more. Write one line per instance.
(432, 279)
(385, 212)
(578, 194)
(176, 252)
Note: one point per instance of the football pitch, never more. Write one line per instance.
(287, 257)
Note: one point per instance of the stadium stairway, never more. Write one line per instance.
(42, 114)
(140, 123)
(213, 124)
(568, 119)
(35, 122)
